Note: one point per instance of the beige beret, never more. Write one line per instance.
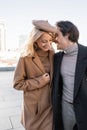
(44, 25)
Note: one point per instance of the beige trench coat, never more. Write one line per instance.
(37, 106)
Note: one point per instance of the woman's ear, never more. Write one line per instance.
(35, 46)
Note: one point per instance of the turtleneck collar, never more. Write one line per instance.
(73, 48)
(42, 53)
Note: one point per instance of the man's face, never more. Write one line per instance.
(61, 41)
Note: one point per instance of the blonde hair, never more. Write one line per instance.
(28, 49)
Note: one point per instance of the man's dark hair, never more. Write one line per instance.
(67, 27)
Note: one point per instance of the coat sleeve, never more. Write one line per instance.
(20, 82)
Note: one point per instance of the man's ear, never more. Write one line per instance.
(67, 36)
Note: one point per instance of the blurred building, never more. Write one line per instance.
(2, 37)
(22, 39)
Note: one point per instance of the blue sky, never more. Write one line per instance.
(18, 15)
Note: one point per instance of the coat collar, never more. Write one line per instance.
(38, 63)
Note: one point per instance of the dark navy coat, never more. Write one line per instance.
(80, 90)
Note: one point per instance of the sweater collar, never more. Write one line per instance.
(71, 49)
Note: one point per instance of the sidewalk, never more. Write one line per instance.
(10, 103)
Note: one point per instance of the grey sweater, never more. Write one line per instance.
(68, 72)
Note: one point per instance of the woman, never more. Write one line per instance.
(33, 75)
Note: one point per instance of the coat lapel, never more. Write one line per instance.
(57, 65)
(80, 68)
(38, 63)
(51, 56)
(51, 53)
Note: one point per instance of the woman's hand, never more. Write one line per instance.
(46, 77)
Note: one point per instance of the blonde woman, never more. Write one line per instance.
(33, 75)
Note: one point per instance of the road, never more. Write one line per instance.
(10, 103)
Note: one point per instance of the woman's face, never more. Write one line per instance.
(44, 42)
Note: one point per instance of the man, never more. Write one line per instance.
(69, 80)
